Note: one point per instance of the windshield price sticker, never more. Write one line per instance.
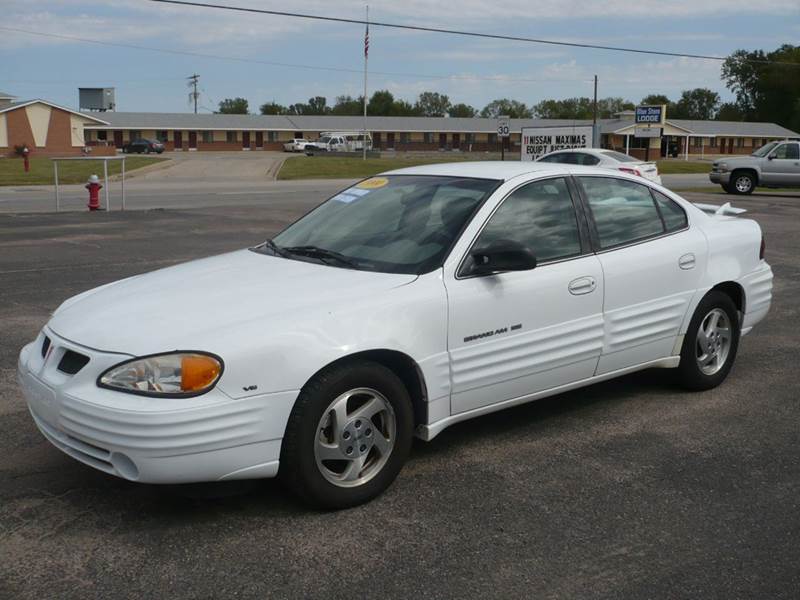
(373, 184)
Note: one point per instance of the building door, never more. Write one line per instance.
(730, 145)
(246, 140)
(118, 139)
(456, 141)
(259, 139)
(376, 140)
(178, 137)
(442, 140)
(390, 140)
(192, 140)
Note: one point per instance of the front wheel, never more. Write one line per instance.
(348, 435)
(742, 183)
(711, 342)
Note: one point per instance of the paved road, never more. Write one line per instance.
(626, 489)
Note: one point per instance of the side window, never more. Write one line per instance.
(540, 216)
(789, 151)
(586, 159)
(623, 211)
(673, 215)
(550, 158)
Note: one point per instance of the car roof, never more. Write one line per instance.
(494, 169)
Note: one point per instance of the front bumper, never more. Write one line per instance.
(723, 178)
(152, 440)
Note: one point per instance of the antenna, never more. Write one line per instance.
(194, 94)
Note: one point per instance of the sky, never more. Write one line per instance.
(267, 58)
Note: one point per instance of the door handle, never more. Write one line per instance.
(687, 261)
(582, 285)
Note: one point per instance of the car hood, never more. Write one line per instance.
(737, 160)
(181, 306)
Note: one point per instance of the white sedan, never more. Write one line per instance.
(610, 159)
(296, 145)
(402, 305)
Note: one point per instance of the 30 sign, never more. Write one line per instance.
(503, 129)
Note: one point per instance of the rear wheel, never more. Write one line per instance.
(711, 343)
(348, 435)
(742, 182)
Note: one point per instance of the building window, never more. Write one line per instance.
(639, 142)
(697, 142)
(161, 136)
(492, 139)
(134, 134)
(208, 137)
(712, 142)
(272, 136)
(403, 137)
(298, 135)
(469, 138)
(739, 142)
(230, 137)
(428, 136)
(102, 135)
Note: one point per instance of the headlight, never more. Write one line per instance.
(723, 166)
(172, 375)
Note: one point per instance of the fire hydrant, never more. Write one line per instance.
(94, 187)
(25, 152)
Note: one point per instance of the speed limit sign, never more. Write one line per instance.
(502, 127)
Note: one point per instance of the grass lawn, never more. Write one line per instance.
(71, 171)
(671, 167)
(345, 167)
(758, 191)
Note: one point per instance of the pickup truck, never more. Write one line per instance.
(776, 164)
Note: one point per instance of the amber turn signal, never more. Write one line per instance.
(198, 372)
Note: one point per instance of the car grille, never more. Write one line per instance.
(45, 346)
(72, 362)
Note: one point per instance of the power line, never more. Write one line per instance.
(494, 36)
(498, 79)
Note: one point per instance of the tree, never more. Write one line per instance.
(503, 106)
(655, 99)
(233, 106)
(432, 104)
(700, 104)
(347, 105)
(729, 111)
(608, 107)
(318, 105)
(766, 91)
(569, 108)
(401, 108)
(272, 108)
(380, 104)
(462, 110)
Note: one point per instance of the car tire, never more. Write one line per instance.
(742, 182)
(726, 188)
(314, 464)
(708, 352)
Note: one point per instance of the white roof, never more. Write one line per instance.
(487, 169)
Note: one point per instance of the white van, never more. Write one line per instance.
(340, 141)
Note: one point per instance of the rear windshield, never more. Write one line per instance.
(619, 156)
(391, 224)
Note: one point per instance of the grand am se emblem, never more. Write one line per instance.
(486, 334)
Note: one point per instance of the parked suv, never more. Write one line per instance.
(143, 145)
(776, 164)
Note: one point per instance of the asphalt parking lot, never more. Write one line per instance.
(626, 489)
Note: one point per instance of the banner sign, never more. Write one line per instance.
(651, 115)
(647, 132)
(538, 141)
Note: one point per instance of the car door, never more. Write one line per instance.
(512, 334)
(652, 262)
(782, 166)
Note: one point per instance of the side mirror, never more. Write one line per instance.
(504, 255)
(770, 156)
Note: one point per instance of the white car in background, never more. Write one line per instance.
(402, 305)
(295, 145)
(610, 159)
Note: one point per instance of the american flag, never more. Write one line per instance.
(366, 42)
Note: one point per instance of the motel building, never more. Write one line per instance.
(52, 130)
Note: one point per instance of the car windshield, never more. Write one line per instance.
(766, 149)
(324, 140)
(619, 156)
(389, 224)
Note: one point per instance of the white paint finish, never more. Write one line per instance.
(276, 322)
(39, 121)
(647, 295)
(3, 131)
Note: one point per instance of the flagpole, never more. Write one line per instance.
(366, 58)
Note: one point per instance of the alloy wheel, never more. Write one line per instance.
(713, 344)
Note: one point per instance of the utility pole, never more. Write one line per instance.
(194, 94)
(594, 109)
(366, 59)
